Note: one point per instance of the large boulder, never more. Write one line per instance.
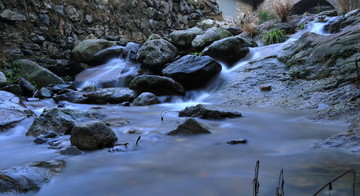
(155, 53)
(85, 50)
(229, 50)
(190, 127)
(211, 35)
(30, 177)
(146, 98)
(210, 112)
(193, 71)
(183, 38)
(159, 85)
(92, 136)
(34, 73)
(60, 121)
(12, 110)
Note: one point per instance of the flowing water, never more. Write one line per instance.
(196, 165)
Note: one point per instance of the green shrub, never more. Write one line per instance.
(265, 16)
(274, 36)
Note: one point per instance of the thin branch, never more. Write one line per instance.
(330, 183)
(256, 179)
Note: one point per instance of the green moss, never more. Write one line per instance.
(301, 25)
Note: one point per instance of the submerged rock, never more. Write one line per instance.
(159, 85)
(60, 121)
(229, 50)
(146, 98)
(190, 127)
(210, 112)
(71, 150)
(92, 136)
(29, 177)
(193, 71)
(12, 110)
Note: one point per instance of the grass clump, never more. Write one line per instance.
(282, 9)
(250, 29)
(265, 16)
(274, 36)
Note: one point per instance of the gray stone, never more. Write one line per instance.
(28, 89)
(130, 51)
(43, 93)
(92, 136)
(85, 50)
(60, 121)
(154, 54)
(107, 54)
(36, 74)
(229, 50)
(12, 15)
(183, 38)
(210, 112)
(44, 18)
(73, 13)
(190, 127)
(30, 177)
(159, 85)
(193, 71)
(12, 110)
(111, 95)
(146, 98)
(3, 79)
(71, 150)
(211, 35)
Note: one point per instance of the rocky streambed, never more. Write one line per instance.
(262, 108)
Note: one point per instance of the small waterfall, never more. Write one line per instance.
(116, 73)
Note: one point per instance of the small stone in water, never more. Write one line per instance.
(265, 88)
(71, 150)
(232, 142)
(40, 140)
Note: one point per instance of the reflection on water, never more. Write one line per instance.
(198, 165)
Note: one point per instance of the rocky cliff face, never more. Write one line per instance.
(46, 31)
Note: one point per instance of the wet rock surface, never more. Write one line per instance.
(92, 136)
(210, 35)
(12, 110)
(210, 112)
(60, 121)
(159, 85)
(85, 50)
(30, 177)
(193, 71)
(190, 127)
(146, 98)
(229, 50)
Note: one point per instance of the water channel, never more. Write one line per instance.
(196, 165)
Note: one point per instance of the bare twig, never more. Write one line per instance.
(137, 141)
(256, 179)
(330, 183)
(281, 182)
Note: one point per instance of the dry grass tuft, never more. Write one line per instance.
(282, 9)
(250, 29)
